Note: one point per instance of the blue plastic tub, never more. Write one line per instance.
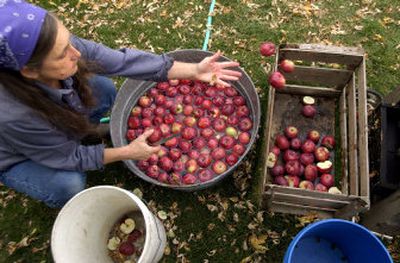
(336, 240)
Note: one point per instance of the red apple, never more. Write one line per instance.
(184, 89)
(232, 120)
(143, 165)
(163, 85)
(205, 175)
(276, 150)
(204, 160)
(187, 99)
(188, 133)
(212, 142)
(281, 180)
(189, 121)
(136, 111)
(189, 178)
(309, 111)
(242, 111)
(169, 118)
(308, 146)
(291, 132)
(282, 142)
(176, 109)
(328, 141)
(166, 163)
(153, 159)
(157, 121)
(218, 153)
(194, 154)
(230, 91)
(287, 65)
(245, 124)
(204, 122)
(174, 154)
(239, 100)
(239, 149)
(173, 82)
(321, 154)
(307, 158)
(293, 181)
(244, 138)
(188, 110)
(295, 143)
(292, 167)
(277, 170)
(185, 146)
(199, 143)
(206, 104)
(311, 172)
(147, 112)
(313, 135)
(144, 101)
(228, 109)
(207, 132)
(227, 142)
(191, 166)
(219, 124)
(277, 80)
(321, 188)
(130, 135)
(231, 159)
(153, 171)
(178, 166)
(219, 100)
(267, 49)
(290, 155)
(155, 136)
(211, 92)
(305, 184)
(197, 112)
(219, 167)
(126, 248)
(165, 129)
(133, 122)
(327, 179)
(176, 127)
(172, 142)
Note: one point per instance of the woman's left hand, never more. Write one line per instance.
(216, 73)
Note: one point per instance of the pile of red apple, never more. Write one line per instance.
(214, 126)
(301, 163)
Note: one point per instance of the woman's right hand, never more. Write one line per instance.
(139, 149)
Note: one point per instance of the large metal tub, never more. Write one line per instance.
(131, 91)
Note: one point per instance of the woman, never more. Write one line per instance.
(50, 99)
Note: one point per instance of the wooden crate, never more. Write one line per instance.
(335, 76)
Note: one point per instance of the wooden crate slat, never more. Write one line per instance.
(319, 76)
(322, 53)
(310, 91)
(302, 192)
(352, 139)
(343, 142)
(298, 210)
(308, 200)
(363, 131)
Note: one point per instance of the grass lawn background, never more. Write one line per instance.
(217, 224)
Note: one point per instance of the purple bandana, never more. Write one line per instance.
(20, 25)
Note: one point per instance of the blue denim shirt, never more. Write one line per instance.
(26, 135)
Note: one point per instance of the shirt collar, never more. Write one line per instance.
(57, 94)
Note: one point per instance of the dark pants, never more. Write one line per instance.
(52, 186)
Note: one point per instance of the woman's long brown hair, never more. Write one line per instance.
(66, 119)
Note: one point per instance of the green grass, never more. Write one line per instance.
(238, 29)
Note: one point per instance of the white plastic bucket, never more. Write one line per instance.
(81, 230)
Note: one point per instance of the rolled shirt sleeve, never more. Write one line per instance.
(124, 62)
(40, 142)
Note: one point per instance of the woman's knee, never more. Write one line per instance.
(66, 187)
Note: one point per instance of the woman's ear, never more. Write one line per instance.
(29, 73)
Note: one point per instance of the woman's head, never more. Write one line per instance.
(54, 58)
